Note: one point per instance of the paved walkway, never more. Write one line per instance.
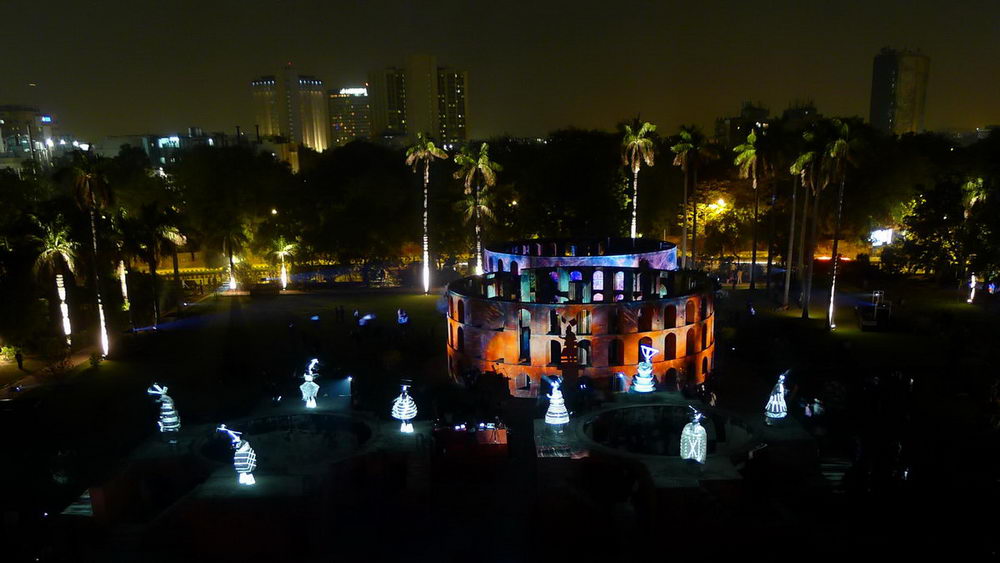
(13, 380)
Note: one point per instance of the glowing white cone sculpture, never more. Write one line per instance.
(309, 391)
(244, 458)
(694, 439)
(644, 382)
(556, 414)
(776, 407)
(404, 409)
(972, 289)
(284, 274)
(170, 421)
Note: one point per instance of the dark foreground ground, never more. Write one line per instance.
(896, 466)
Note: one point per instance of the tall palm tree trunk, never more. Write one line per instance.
(479, 244)
(426, 270)
(635, 200)
(791, 242)
(232, 269)
(835, 256)
(807, 291)
(770, 235)
(800, 265)
(684, 223)
(178, 287)
(103, 328)
(156, 293)
(753, 230)
(694, 221)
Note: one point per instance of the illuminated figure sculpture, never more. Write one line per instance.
(694, 439)
(310, 389)
(402, 317)
(644, 382)
(972, 289)
(776, 408)
(244, 458)
(404, 409)
(556, 414)
(169, 420)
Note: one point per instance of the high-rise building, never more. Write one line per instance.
(899, 91)
(421, 97)
(452, 104)
(350, 116)
(387, 102)
(293, 106)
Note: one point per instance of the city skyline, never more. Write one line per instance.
(536, 68)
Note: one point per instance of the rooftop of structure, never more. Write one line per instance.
(607, 246)
(686, 282)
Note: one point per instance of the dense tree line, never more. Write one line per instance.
(88, 219)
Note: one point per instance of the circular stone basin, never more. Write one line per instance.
(656, 430)
(287, 442)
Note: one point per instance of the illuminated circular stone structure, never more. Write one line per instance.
(581, 309)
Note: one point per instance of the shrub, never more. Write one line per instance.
(96, 359)
(7, 353)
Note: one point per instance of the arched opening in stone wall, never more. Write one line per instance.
(553, 322)
(616, 353)
(583, 352)
(598, 280)
(646, 318)
(555, 352)
(499, 264)
(692, 342)
(704, 367)
(524, 344)
(670, 379)
(670, 347)
(689, 312)
(670, 316)
(461, 311)
(583, 322)
(514, 268)
(460, 340)
(619, 281)
(618, 383)
(524, 382)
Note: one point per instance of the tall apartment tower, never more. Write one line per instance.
(420, 97)
(349, 115)
(293, 106)
(387, 102)
(899, 91)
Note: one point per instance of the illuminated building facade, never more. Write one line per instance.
(899, 91)
(350, 115)
(293, 106)
(420, 97)
(581, 308)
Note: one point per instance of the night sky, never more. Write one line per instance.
(117, 67)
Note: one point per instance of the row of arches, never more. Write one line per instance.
(672, 377)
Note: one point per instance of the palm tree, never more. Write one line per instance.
(637, 147)
(92, 193)
(150, 234)
(284, 249)
(57, 254)
(475, 207)
(479, 174)
(746, 159)
(814, 177)
(837, 156)
(791, 240)
(423, 152)
(690, 151)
